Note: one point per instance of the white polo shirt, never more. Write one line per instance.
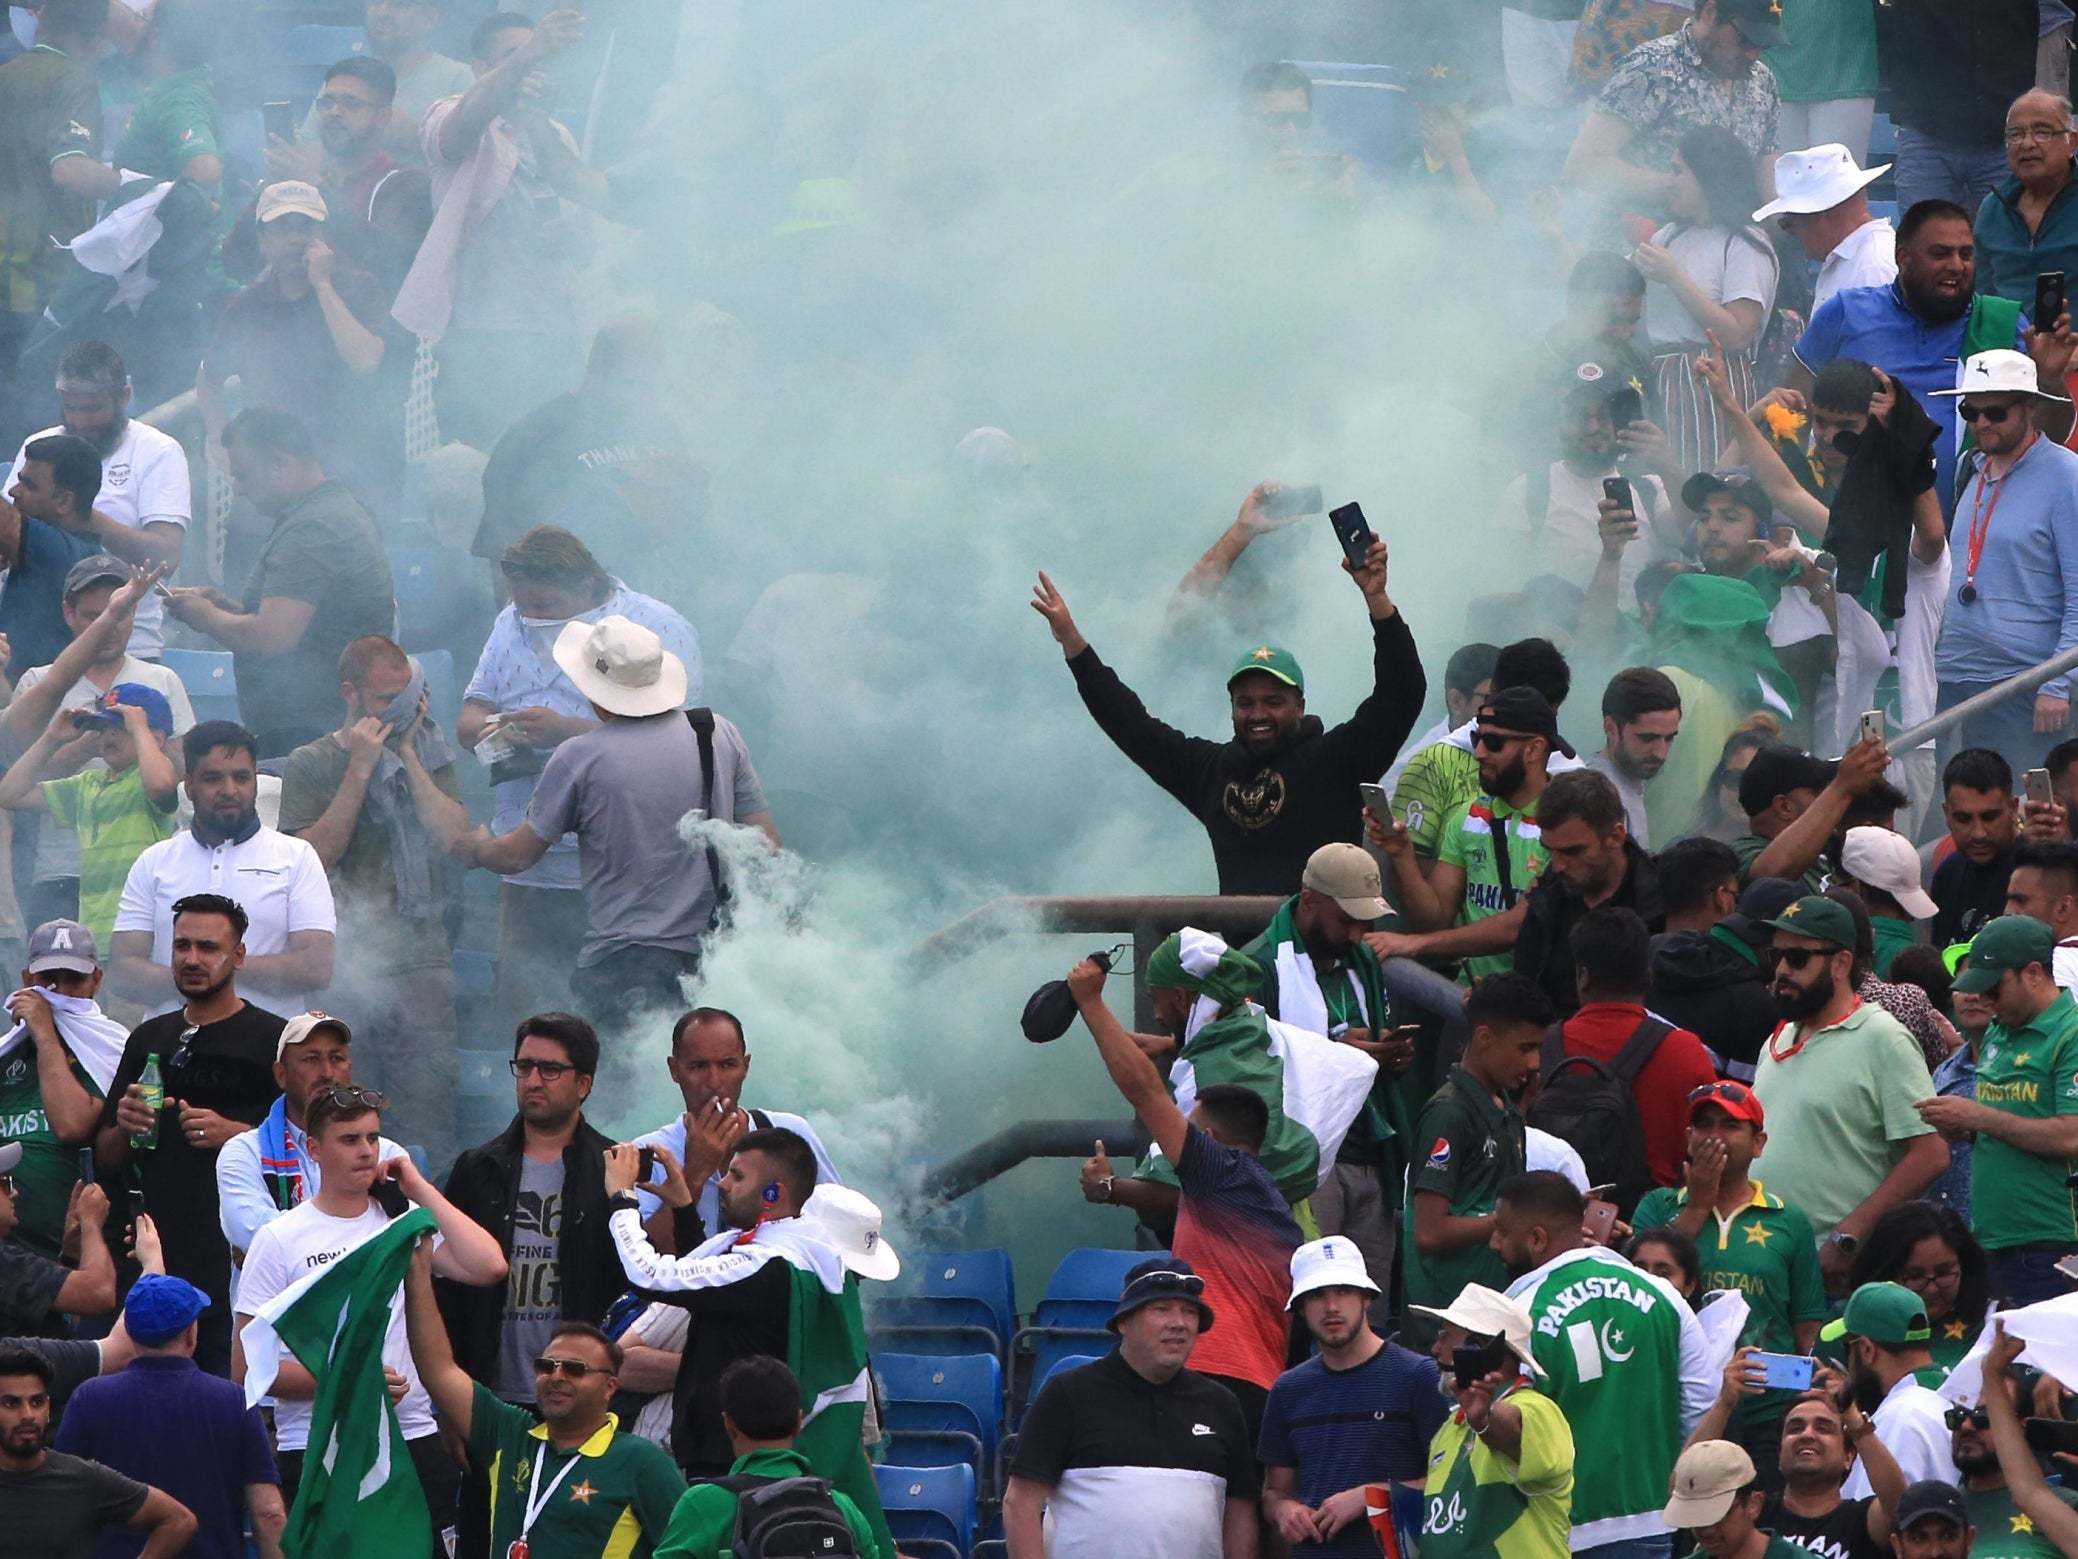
(277, 879)
(1866, 257)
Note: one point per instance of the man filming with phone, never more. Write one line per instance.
(1285, 784)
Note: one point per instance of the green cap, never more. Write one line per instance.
(2010, 942)
(1888, 1313)
(1820, 918)
(1278, 662)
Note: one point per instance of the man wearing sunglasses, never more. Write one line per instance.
(1986, 1498)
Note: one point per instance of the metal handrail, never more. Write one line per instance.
(1948, 719)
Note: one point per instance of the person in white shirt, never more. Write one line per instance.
(1823, 201)
(279, 881)
(270, 1170)
(356, 1181)
(709, 1063)
(1887, 1334)
(141, 514)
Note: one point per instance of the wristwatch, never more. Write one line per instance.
(1847, 1244)
(1107, 1182)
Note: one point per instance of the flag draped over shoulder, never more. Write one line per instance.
(359, 1494)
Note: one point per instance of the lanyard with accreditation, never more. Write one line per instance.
(537, 1499)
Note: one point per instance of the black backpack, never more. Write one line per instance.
(1594, 1108)
(787, 1518)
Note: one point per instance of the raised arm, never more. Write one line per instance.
(21, 789)
(1132, 1073)
(1789, 495)
(1791, 852)
(469, 1253)
(2053, 1519)
(1365, 744)
(33, 708)
(498, 88)
(446, 1382)
(91, 1290)
(71, 1111)
(333, 829)
(445, 818)
(1210, 571)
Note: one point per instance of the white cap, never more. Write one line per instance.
(1887, 860)
(2001, 371)
(1486, 1313)
(1334, 1262)
(621, 666)
(1816, 180)
(851, 1222)
(291, 197)
(305, 1024)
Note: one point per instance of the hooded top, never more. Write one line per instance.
(1711, 983)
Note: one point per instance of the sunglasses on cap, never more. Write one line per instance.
(351, 1096)
(1167, 1283)
(1726, 1092)
(1975, 1417)
(1973, 413)
(1497, 741)
(573, 1369)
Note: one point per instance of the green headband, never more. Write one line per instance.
(1228, 980)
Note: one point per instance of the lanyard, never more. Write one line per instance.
(537, 1501)
(1804, 1035)
(1980, 527)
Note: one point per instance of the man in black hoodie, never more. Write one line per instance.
(1706, 976)
(1285, 785)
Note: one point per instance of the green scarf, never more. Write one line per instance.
(1717, 630)
(1991, 327)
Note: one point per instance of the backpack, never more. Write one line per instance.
(787, 1518)
(1594, 1108)
(702, 722)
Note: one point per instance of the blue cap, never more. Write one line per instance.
(158, 713)
(160, 1308)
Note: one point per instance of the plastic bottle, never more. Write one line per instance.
(154, 1100)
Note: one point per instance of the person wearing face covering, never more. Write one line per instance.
(379, 801)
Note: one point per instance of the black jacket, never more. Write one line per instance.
(1711, 983)
(1265, 816)
(484, 1184)
(1544, 947)
(1951, 67)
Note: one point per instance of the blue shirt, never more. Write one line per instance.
(32, 603)
(2009, 257)
(1874, 325)
(2027, 576)
(1341, 1429)
(163, 1422)
(1956, 1078)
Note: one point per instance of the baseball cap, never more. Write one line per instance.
(160, 1308)
(1732, 1097)
(1820, 918)
(1333, 1262)
(158, 713)
(305, 1024)
(1527, 710)
(291, 197)
(1485, 1313)
(94, 569)
(1707, 1478)
(1165, 1277)
(1739, 486)
(1277, 661)
(1931, 1497)
(1759, 21)
(1882, 1312)
(2010, 942)
(1347, 874)
(10, 1155)
(1760, 902)
(63, 944)
(1885, 859)
(1776, 770)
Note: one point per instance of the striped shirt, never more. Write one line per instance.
(1468, 844)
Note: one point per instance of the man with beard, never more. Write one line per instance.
(2015, 603)
(1595, 865)
(1641, 717)
(1285, 785)
(141, 513)
(1469, 905)
(1362, 1410)
(377, 211)
(1839, 1082)
(1916, 329)
(1970, 886)
(2008, 1533)
(1887, 1333)
(57, 1505)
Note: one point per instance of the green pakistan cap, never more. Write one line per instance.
(1277, 662)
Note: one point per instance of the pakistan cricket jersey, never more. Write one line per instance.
(1613, 1340)
(1478, 1505)
(2018, 1197)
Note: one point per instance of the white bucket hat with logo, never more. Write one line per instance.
(1333, 1262)
(622, 667)
(1815, 180)
(851, 1222)
(2001, 371)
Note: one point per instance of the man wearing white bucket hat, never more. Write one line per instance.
(1823, 200)
(2013, 600)
(625, 789)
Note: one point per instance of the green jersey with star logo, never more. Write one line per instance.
(1478, 1503)
(2018, 1197)
(45, 1176)
(614, 1504)
(2003, 1530)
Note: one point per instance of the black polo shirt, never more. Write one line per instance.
(1136, 1467)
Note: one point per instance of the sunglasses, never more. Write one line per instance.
(550, 1071)
(351, 1096)
(1496, 741)
(574, 1369)
(1972, 413)
(1975, 1417)
(1728, 1093)
(1171, 1283)
(1797, 957)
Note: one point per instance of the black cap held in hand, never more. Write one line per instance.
(1050, 1012)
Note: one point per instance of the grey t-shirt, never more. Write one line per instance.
(1629, 791)
(534, 1290)
(58, 1511)
(622, 789)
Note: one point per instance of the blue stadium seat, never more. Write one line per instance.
(1070, 1320)
(207, 676)
(980, 1276)
(970, 1387)
(1066, 1361)
(1091, 1274)
(937, 1324)
(928, 1505)
(911, 1447)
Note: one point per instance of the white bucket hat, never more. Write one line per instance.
(2001, 371)
(1484, 1312)
(1333, 1262)
(851, 1222)
(1887, 860)
(1816, 180)
(621, 666)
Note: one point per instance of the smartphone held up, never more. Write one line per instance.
(1353, 531)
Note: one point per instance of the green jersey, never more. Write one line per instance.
(175, 121)
(1780, 1548)
(1609, 1337)
(1767, 1252)
(116, 821)
(44, 1177)
(1468, 844)
(1436, 782)
(1892, 937)
(2003, 1531)
(1748, 848)
(1465, 1146)
(2018, 1197)
(611, 1498)
(705, 1519)
(1479, 1505)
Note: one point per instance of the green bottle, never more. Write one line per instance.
(154, 1100)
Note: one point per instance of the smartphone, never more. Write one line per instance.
(1785, 1371)
(645, 1164)
(1473, 1362)
(2049, 1436)
(1378, 801)
(278, 119)
(1601, 1218)
(1353, 531)
(2068, 1265)
(1626, 406)
(2049, 300)
(1601, 1192)
(2037, 783)
(1618, 491)
(1872, 725)
(1290, 504)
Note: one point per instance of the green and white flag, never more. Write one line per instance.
(359, 1493)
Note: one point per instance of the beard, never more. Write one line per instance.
(1510, 780)
(1934, 306)
(1868, 1388)
(1810, 1001)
